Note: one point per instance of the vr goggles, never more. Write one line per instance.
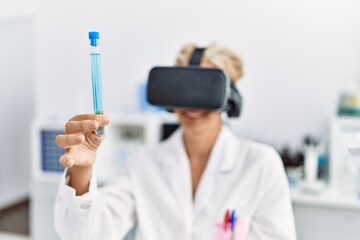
(193, 87)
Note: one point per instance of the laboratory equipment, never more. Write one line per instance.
(312, 150)
(96, 76)
(50, 153)
(344, 159)
(354, 144)
(45, 153)
(311, 159)
(349, 104)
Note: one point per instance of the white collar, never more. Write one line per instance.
(224, 148)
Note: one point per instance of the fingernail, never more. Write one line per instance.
(106, 119)
(93, 125)
(79, 138)
(69, 163)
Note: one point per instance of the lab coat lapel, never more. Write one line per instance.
(176, 170)
(177, 173)
(222, 160)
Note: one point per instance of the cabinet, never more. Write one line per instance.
(328, 216)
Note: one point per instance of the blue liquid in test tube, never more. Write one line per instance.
(96, 76)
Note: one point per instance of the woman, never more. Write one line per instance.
(182, 187)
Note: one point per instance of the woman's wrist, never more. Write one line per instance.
(80, 178)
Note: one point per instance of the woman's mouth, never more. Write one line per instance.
(193, 114)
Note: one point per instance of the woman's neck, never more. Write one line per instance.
(199, 142)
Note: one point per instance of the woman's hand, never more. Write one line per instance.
(80, 141)
(80, 144)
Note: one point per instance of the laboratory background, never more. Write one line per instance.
(301, 93)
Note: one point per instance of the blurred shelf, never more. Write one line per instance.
(326, 198)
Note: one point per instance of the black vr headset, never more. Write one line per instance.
(193, 87)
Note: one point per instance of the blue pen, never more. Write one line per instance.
(232, 220)
(96, 76)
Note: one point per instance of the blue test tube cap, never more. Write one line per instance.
(94, 37)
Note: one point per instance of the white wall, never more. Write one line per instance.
(299, 55)
(16, 8)
(17, 107)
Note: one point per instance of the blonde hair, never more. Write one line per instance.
(216, 54)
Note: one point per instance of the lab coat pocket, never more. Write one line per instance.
(224, 231)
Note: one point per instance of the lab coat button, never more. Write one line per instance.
(85, 206)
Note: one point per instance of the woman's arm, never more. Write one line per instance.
(82, 211)
(107, 213)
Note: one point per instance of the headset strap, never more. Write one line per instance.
(196, 56)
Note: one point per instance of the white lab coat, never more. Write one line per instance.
(154, 194)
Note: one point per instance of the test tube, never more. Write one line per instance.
(96, 76)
